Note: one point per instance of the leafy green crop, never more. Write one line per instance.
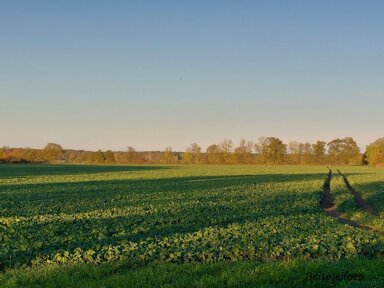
(94, 214)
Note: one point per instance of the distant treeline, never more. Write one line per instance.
(269, 150)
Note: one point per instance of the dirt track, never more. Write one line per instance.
(360, 201)
(330, 207)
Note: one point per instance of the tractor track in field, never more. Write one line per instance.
(330, 207)
(364, 205)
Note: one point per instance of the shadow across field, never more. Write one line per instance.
(26, 170)
(375, 193)
(170, 205)
(90, 232)
(75, 197)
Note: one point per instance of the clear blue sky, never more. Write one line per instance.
(152, 74)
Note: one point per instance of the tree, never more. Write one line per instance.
(306, 153)
(72, 157)
(375, 152)
(52, 152)
(169, 157)
(131, 154)
(109, 157)
(272, 149)
(98, 157)
(243, 152)
(214, 154)
(344, 151)
(293, 147)
(4, 154)
(319, 151)
(293, 152)
(192, 154)
(226, 147)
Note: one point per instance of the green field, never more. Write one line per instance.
(185, 226)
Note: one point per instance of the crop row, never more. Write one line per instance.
(184, 214)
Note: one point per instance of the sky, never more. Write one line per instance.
(153, 74)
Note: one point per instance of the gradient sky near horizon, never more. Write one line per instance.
(152, 74)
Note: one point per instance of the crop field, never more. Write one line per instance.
(62, 216)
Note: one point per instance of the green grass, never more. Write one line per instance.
(298, 273)
(200, 223)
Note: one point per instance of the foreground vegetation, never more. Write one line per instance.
(357, 273)
(149, 222)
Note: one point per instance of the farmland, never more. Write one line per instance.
(62, 216)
